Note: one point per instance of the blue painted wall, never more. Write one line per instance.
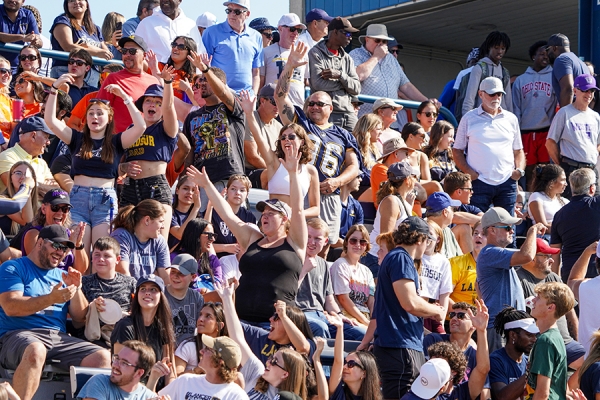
(589, 31)
(350, 7)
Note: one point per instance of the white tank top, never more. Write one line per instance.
(377, 223)
(280, 182)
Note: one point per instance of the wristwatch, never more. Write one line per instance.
(521, 171)
(80, 247)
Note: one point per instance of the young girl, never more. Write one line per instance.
(439, 150)
(186, 207)
(96, 153)
(183, 69)
(18, 173)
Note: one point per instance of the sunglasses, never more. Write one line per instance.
(380, 41)
(65, 209)
(5, 71)
(352, 364)
(20, 81)
(78, 62)
(428, 114)
(30, 57)
(57, 246)
(318, 104)
(273, 361)
(294, 29)
(271, 100)
(290, 136)
(130, 50)
(210, 235)
(179, 46)
(394, 52)
(459, 315)
(268, 35)
(507, 228)
(499, 94)
(236, 12)
(347, 34)
(354, 241)
(104, 75)
(100, 101)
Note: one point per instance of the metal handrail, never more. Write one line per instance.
(55, 54)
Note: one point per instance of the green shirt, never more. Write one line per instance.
(549, 358)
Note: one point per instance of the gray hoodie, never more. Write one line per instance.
(341, 90)
(534, 101)
(472, 99)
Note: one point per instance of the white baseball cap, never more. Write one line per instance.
(206, 19)
(290, 19)
(492, 85)
(434, 374)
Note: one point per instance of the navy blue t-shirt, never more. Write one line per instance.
(92, 40)
(224, 235)
(504, 369)
(262, 346)
(24, 23)
(470, 353)
(471, 209)
(396, 328)
(340, 393)
(460, 392)
(153, 145)
(352, 213)
(77, 94)
(590, 381)
(94, 166)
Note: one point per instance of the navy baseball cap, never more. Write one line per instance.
(267, 91)
(437, 201)
(261, 24)
(151, 278)
(316, 14)
(398, 171)
(34, 123)
(416, 224)
(154, 90)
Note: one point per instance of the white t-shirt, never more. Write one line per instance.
(252, 370)
(550, 206)
(357, 282)
(190, 386)
(230, 267)
(187, 352)
(436, 276)
(275, 58)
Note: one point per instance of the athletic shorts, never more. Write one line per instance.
(534, 146)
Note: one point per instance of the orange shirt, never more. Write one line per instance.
(78, 113)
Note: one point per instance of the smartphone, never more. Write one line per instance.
(119, 26)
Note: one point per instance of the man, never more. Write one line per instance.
(548, 359)
(34, 137)
(399, 311)
(18, 26)
(275, 57)
(574, 137)
(539, 271)
(566, 67)
(435, 377)
(534, 104)
(129, 367)
(495, 159)
(35, 297)
(220, 359)
(315, 293)
(216, 130)
(144, 10)
(317, 22)
(336, 153)
(162, 27)
(332, 71)
(498, 282)
(133, 79)
(185, 302)
(440, 209)
(205, 20)
(235, 48)
(459, 187)
(263, 26)
(265, 115)
(379, 72)
(80, 63)
(568, 232)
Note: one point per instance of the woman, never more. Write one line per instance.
(186, 206)
(272, 263)
(414, 136)
(352, 282)
(387, 110)
(464, 270)
(211, 322)
(18, 173)
(111, 34)
(394, 150)
(32, 93)
(354, 377)
(153, 151)
(96, 153)
(385, 241)
(150, 321)
(427, 113)
(29, 59)
(183, 69)
(439, 150)
(549, 183)
(279, 181)
(589, 373)
(143, 249)
(75, 29)
(367, 132)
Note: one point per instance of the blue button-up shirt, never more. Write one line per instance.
(24, 24)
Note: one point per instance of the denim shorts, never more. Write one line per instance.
(154, 187)
(93, 205)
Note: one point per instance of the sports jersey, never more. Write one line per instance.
(153, 145)
(464, 275)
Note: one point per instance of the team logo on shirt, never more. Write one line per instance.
(224, 228)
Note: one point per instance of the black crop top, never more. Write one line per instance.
(95, 167)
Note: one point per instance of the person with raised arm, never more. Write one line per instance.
(96, 152)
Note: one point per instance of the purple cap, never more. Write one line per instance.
(317, 14)
(585, 82)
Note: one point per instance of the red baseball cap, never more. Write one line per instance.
(544, 248)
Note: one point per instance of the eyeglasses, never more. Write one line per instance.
(499, 94)
(394, 52)
(130, 50)
(468, 189)
(56, 208)
(268, 35)
(295, 29)
(78, 62)
(273, 361)
(5, 71)
(428, 114)
(20, 174)
(122, 363)
(355, 241)
(57, 246)
(291, 136)
(210, 235)
(508, 228)
(236, 12)
(459, 315)
(179, 46)
(352, 364)
(347, 34)
(380, 41)
(30, 57)
(103, 101)
(547, 256)
(318, 104)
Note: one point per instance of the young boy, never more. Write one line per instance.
(548, 358)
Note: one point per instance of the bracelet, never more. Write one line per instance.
(167, 82)
(128, 101)
(206, 70)
(54, 87)
(53, 92)
(80, 247)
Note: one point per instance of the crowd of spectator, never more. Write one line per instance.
(125, 196)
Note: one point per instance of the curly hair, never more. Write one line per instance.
(495, 38)
(455, 357)
(362, 133)
(387, 238)
(403, 235)
(226, 374)
(534, 47)
(306, 149)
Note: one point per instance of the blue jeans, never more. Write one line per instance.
(321, 327)
(503, 195)
(93, 205)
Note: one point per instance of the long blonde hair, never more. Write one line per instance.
(593, 356)
(362, 133)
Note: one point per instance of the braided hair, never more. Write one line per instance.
(508, 314)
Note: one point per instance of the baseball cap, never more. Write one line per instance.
(558, 39)
(290, 19)
(498, 215)
(261, 24)
(416, 224)
(394, 43)
(341, 23)
(585, 82)
(206, 19)
(544, 248)
(242, 3)
(151, 278)
(34, 123)
(383, 102)
(316, 14)
(434, 374)
(56, 233)
(492, 85)
(398, 171)
(135, 39)
(527, 324)
(185, 263)
(438, 201)
(392, 145)
(276, 205)
(154, 90)
(267, 90)
(227, 349)
(56, 196)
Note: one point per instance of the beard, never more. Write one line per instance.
(46, 260)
